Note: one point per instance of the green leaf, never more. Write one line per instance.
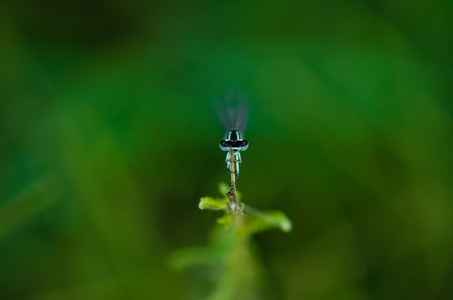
(260, 221)
(225, 220)
(212, 204)
(223, 188)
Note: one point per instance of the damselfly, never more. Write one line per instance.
(233, 144)
(233, 115)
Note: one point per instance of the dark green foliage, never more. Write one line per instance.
(350, 135)
(33, 200)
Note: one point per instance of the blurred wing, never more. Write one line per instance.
(232, 111)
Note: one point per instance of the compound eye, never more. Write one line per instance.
(224, 145)
(244, 145)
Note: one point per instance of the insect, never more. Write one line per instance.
(233, 144)
(234, 118)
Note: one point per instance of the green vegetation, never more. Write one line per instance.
(23, 208)
(238, 273)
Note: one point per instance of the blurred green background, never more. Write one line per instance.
(108, 138)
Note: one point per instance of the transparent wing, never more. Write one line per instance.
(232, 111)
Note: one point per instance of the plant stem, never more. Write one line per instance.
(233, 169)
(232, 194)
